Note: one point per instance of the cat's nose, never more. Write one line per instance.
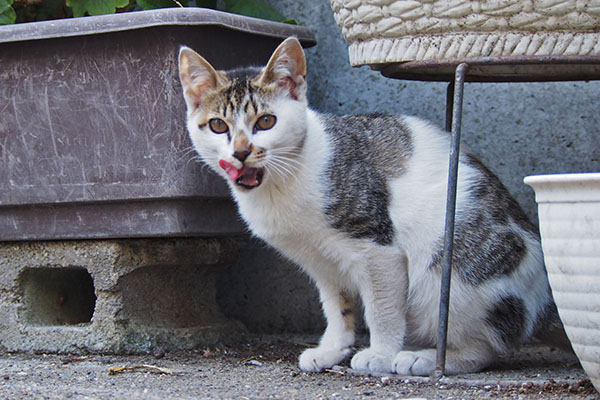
(241, 155)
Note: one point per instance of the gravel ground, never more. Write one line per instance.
(265, 368)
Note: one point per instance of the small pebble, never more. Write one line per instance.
(159, 352)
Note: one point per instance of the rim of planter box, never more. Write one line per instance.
(151, 18)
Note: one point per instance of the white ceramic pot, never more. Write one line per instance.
(569, 214)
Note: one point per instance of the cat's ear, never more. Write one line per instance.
(287, 69)
(197, 77)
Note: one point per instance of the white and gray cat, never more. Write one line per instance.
(358, 203)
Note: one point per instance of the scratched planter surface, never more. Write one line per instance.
(92, 126)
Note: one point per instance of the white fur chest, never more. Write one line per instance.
(293, 211)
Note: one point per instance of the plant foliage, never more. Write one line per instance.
(95, 7)
(7, 13)
(11, 12)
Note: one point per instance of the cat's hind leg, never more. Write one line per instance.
(339, 310)
(469, 359)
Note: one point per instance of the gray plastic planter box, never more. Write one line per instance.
(92, 124)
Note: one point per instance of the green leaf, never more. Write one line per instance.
(8, 16)
(254, 8)
(5, 4)
(151, 4)
(7, 13)
(95, 7)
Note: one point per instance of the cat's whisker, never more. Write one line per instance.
(205, 169)
(274, 167)
(194, 160)
(286, 153)
(291, 156)
(185, 152)
(287, 159)
(206, 162)
(277, 173)
(284, 170)
(287, 148)
(281, 163)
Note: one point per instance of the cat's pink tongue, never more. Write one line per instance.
(232, 171)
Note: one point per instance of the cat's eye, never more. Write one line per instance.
(265, 122)
(218, 125)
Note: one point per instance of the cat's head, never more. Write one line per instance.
(247, 124)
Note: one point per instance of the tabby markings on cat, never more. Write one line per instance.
(358, 203)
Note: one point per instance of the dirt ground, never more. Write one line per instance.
(265, 368)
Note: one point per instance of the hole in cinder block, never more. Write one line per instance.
(57, 296)
(170, 297)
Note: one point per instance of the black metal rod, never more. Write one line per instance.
(459, 80)
(449, 106)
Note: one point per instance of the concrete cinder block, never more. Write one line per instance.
(113, 296)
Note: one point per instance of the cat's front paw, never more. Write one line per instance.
(320, 358)
(372, 360)
(421, 363)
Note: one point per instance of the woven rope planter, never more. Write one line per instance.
(388, 31)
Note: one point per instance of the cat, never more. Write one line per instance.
(358, 202)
